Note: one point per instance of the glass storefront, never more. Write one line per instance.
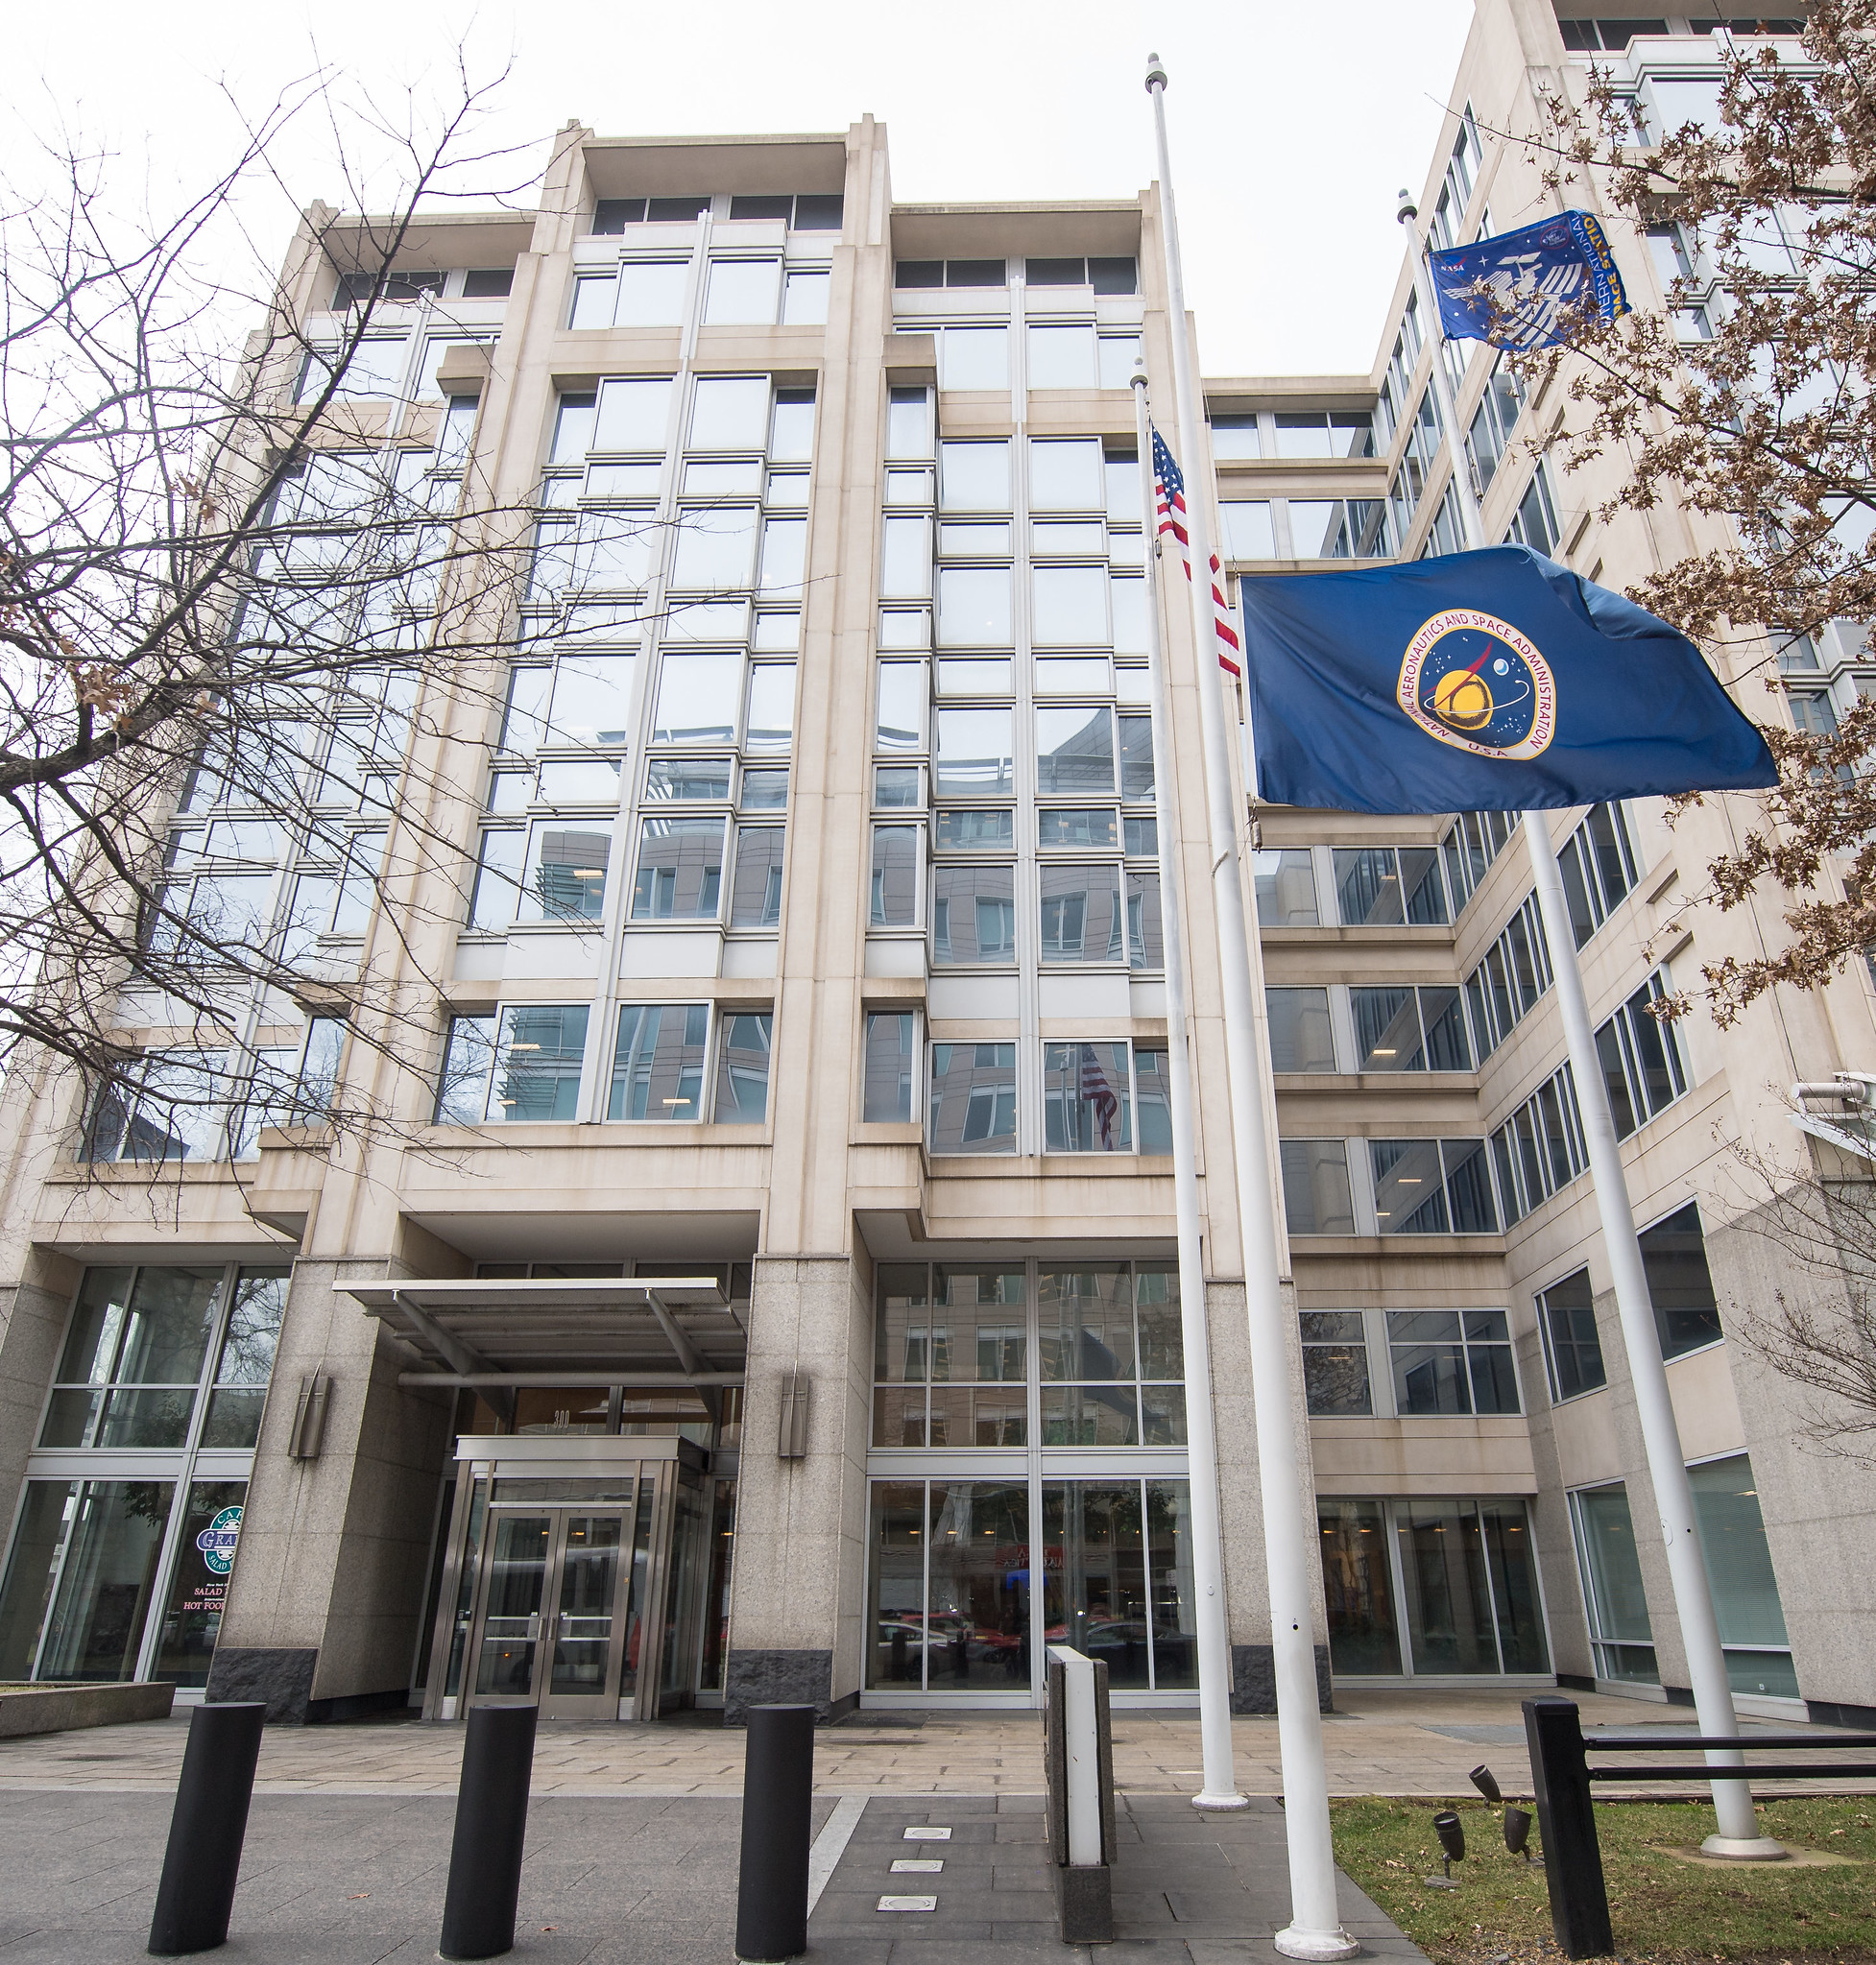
(1738, 1568)
(128, 1527)
(1621, 1635)
(1432, 1588)
(955, 1606)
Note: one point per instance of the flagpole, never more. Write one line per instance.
(1219, 1789)
(1739, 1836)
(1316, 1929)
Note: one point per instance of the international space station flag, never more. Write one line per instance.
(1495, 680)
(1527, 289)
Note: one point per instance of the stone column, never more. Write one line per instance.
(328, 1590)
(795, 1606)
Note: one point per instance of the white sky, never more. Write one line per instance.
(1291, 127)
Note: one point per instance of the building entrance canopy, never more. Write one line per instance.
(653, 1331)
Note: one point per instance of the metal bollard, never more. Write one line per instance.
(1573, 1859)
(206, 1829)
(777, 1791)
(492, 1826)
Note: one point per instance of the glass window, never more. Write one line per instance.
(755, 893)
(975, 675)
(1081, 917)
(1613, 1593)
(1069, 604)
(1284, 878)
(686, 780)
(651, 295)
(1452, 1361)
(1680, 1286)
(1300, 1037)
(764, 791)
(895, 885)
(973, 358)
(730, 413)
(741, 291)
(1471, 1589)
(971, 1104)
(658, 1062)
(1234, 438)
(900, 724)
(742, 1069)
(1135, 733)
(973, 830)
(1146, 931)
(1335, 1364)
(1064, 358)
(974, 758)
(1081, 826)
(680, 869)
(1565, 1312)
(804, 303)
(1087, 1101)
(461, 1091)
(1359, 1588)
(1067, 474)
(1410, 1191)
(791, 428)
(973, 606)
(591, 701)
(1118, 355)
(1247, 529)
(715, 548)
(539, 1053)
(566, 877)
(198, 1590)
(889, 1067)
(784, 558)
(770, 725)
(497, 882)
(697, 699)
(82, 1619)
(1075, 751)
(906, 558)
(972, 913)
(908, 424)
(634, 414)
(1317, 1194)
(1739, 1572)
(975, 476)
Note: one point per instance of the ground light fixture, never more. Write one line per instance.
(1517, 1832)
(1451, 1834)
(1486, 1783)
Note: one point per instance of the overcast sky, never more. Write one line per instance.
(1292, 127)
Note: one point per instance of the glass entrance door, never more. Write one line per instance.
(569, 1595)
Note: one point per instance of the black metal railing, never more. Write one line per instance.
(1561, 1774)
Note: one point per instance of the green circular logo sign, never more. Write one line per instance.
(217, 1542)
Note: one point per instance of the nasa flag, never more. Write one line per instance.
(1495, 680)
(1525, 289)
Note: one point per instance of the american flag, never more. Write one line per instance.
(1169, 499)
(1096, 1091)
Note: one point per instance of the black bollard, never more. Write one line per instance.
(206, 1829)
(777, 1791)
(492, 1827)
(1565, 1819)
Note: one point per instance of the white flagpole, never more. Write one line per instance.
(1315, 1930)
(1219, 1788)
(1738, 1834)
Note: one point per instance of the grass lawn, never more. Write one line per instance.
(1659, 1908)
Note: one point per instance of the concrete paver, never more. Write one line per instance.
(1378, 1742)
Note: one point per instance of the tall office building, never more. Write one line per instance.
(773, 1293)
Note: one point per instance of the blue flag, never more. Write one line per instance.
(1536, 283)
(1488, 682)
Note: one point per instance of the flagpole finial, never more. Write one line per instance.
(1138, 377)
(1406, 211)
(1155, 74)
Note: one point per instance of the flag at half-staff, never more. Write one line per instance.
(1531, 288)
(1169, 502)
(1487, 681)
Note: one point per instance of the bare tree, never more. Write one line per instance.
(1750, 398)
(251, 653)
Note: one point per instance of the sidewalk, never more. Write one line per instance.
(1379, 1742)
(356, 1880)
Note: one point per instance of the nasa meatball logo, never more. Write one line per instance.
(1476, 683)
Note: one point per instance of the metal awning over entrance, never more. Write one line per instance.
(651, 1331)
